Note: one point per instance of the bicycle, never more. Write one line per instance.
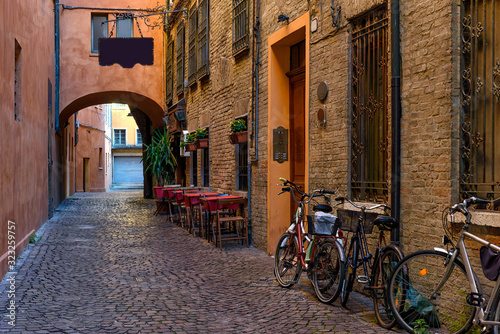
(323, 258)
(386, 256)
(428, 289)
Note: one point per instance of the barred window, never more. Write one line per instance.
(480, 100)
(369, 117)
(203, 50)
(169, 74)
(241, 166)
(241, 39)
(193, 32)
(205, 167)
(180, 59)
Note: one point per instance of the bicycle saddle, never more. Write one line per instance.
(386, 223)
(322, 208)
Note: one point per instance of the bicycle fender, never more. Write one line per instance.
(340, 249)
(442, 250)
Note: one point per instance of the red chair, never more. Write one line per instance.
(231, 223)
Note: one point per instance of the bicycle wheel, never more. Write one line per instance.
(414, 301)
(382, 268)
(287, 266)
(328, 271)
(350, 274)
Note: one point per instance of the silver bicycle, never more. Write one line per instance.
(437, 291)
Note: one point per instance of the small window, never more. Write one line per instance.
(169, 72)
(138, 137)
(119, 137)
(124, 28)
(100, 157)
(17, 82)
(99, 30)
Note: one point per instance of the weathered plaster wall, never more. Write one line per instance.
(24, 150)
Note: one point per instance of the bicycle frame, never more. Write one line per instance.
(301, 233)
(475, 286)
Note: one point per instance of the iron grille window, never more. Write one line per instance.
(203, 51)
(193, 32)
(99, 30)
(180, 59)
(119, 137)
(169, 74)
(205, 168)
(240, 26)
(480, 100)
(242, 166)
(369, 124)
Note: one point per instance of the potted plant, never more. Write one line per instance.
(159, 157)
(239, 133)
(201, 137)
(189, 142)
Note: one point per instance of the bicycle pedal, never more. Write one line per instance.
(363, 279)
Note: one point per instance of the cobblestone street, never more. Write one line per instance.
(105, 264)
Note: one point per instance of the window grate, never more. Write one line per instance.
(193, 26)
(369, 124)
(180, 59)
(169, 73)
(240, 26)
(480, 100)
(203, 50)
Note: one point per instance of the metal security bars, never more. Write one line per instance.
(241, 39)
(180, 59)
(168, 72)
(203, 51)
(242, 166)
(480, 99)
(369, 126)
(193, 32)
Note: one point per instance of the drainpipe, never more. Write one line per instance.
(57, 62)
(255, 106)
(395, 119)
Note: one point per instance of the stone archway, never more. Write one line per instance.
(145, 104)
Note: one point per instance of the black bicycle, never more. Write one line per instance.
(386, 256)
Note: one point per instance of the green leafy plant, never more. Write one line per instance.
(201, 133)
(421, 327)
(159, 157)
(34, 239)
(238, 125)
(190, 138)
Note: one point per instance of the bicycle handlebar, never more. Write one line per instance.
(342, 199)
(463, 207)
(315, 193)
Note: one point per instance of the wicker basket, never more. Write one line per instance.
(350, 219)
(325, 224)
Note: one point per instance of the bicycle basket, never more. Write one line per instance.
(349, 220)
(322, 224)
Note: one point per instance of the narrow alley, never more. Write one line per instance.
(105, 264)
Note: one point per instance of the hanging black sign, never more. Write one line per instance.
(126, 52)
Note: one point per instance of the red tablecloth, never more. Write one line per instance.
(191, 199)
(210, 203)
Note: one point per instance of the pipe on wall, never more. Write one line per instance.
(395, 119)
(57, 63)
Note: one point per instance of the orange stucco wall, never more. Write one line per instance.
(84, 83)
(121, 120)
(91, 145)
(278, 207)
(24, 190)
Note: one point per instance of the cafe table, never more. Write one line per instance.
(191, 202)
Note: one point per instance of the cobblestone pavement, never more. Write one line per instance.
(105, 264)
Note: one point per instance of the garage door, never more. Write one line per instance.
(127, 169)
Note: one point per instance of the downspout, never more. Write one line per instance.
(255, 106)
(395, 119)
(57, 62)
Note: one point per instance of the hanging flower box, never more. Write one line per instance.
(190, 147)
(201, 143)
(238, 137)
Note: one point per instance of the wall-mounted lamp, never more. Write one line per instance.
(282, 18)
